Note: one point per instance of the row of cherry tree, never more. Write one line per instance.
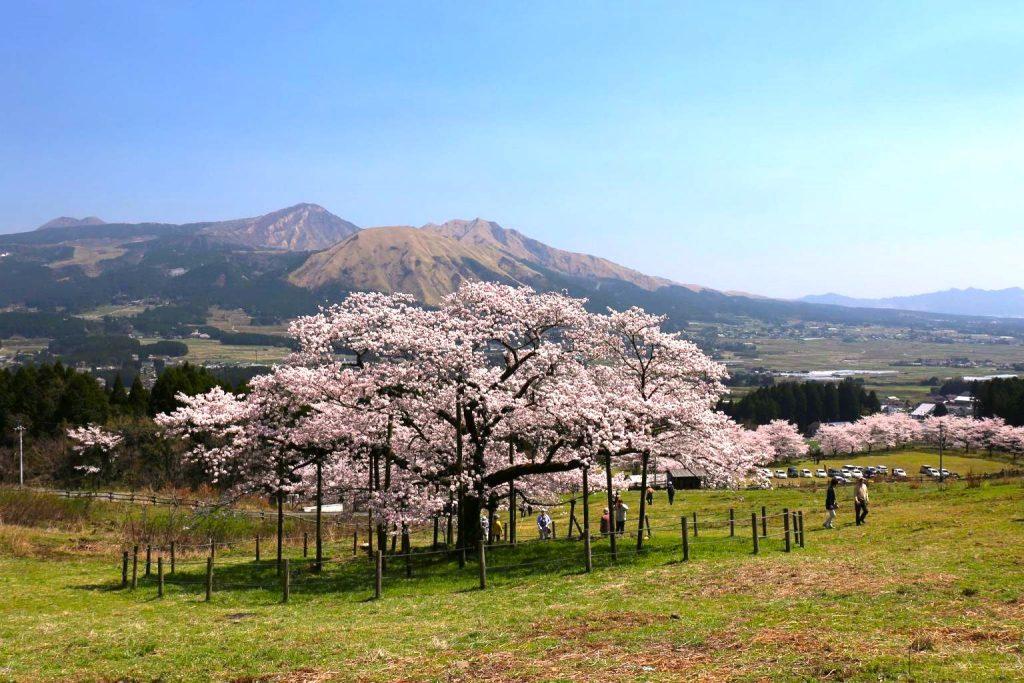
(498, 392)
(883, 432)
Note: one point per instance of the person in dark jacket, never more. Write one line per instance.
(830, 504)
(670, 489)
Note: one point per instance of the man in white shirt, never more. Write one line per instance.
(860, 501)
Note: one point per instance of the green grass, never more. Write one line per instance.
(929, 589)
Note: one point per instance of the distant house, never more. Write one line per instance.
(961, 405)
(687, 477)
(922, 411)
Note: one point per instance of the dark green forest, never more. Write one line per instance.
(804, 403)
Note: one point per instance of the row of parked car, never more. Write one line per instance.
(848, 473)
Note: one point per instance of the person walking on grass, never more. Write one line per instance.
(499, 531)
(620, 517)
(670, 490)
(606, 523)
(544, 525)
(830, 504)
(650, 495)
(860, 501)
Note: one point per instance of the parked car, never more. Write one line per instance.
(833, 472)
(793, 472)
(767, 472)
(820, 473)
(926, 469)
(780, 474)
(899, 472)
(842, 480)
(883, 469)
(806, 473)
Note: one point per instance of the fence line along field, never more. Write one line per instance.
(928, 589)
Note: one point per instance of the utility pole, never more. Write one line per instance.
(942, 442)
(21, 453)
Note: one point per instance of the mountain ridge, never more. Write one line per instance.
(999, 303)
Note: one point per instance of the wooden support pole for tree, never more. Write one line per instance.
(160, 576)
(135, 567)
(647, 524)
(732, 522)
(572, 516)
(149, 559)
(305, 544)
(286, 581)
(407, 549)
(764, 521)
(686, 539)
(355, 542)
(257, 547)
(785, 524)
(695, 524)
(753, 529)
(209, 578)
(586, 519)
(482, 547)
(172, 557)
(588, 562)
(437, 523)
(124, 569)
(378, 585)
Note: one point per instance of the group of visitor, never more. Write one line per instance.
(860, 503)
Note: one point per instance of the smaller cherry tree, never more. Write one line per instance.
(95, 450)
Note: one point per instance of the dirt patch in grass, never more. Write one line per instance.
(782, 581)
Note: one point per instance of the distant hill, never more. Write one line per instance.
(68, 222)
(303, 227)
(1001, 303)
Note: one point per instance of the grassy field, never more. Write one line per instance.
(929, 589)
(211, 351)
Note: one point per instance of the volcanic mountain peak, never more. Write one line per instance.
(405, 259)
(482, 232)
(69, 222)
(303, 227)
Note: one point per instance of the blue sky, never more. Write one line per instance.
(778, 148)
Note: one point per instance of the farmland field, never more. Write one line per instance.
(929, 589)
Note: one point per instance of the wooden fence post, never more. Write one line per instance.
(305, 544)
(378, 585)
(686, 539)
(753, 529)
(785, 524)
(135, 566)
(257, 547)
(695, 524)
(800, 520)
(796, 527)
(149, 559)
(764, 521)
(209, 578)
(483, 564)
(160, 576)
(572, 516)
(172, 557)
(355, 542)
(286, 582)
(588, 559)
(124, 569)
(732, 522)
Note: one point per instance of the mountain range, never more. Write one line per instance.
(1001, 303)
(286, 263)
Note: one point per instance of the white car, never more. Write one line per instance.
(883, 469)
(781, 474)
(898, 472)
(821, 473)
(806, 473)
(767, 472)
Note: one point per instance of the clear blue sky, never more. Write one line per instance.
(779, 148)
